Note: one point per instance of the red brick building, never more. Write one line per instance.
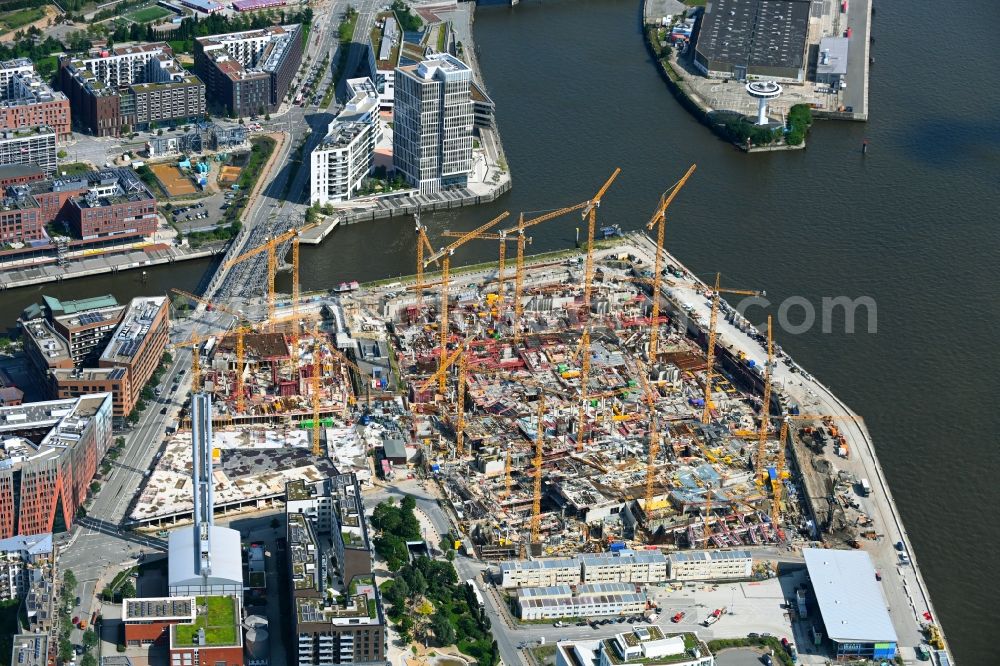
(148, 621)
(199, 631)
(51, 451)
(101, 205)
(28, 101)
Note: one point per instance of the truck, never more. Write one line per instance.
(714, 617)
(866, 488)
(476, 593)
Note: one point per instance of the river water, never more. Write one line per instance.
(910, 225)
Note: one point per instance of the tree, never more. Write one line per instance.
(89, 639)
(65, 649)
(95, 488)
(126, 590)
(88, 660)
(69, 581)
(443, 629)
(62, 154)
(275, 523)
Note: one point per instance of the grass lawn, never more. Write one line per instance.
(74, 168)
(219, 622)
(180, 46)
(20, 17)
(148, 14)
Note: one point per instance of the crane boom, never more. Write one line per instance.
(207, 303)
(271, 248)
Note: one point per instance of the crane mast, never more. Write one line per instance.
(765, 410)
(536, 499)
(590, 214)
(660, 220)
(706, 415)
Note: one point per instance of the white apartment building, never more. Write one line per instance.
(124, 65)
(341, 162)
(22, 560)
(10, 68)
(540, 573)
(627, 566)
(711, 565)
(433, 123)
(600, 599)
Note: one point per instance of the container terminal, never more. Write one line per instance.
(595, 400)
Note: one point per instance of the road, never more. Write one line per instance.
(858, 13)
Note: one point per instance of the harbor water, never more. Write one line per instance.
(910, 225)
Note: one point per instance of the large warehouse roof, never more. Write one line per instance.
(763, 33)
(227, 565)
(850, 599)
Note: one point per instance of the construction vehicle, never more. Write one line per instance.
(444, 254)
(659, 218)
(271, 247)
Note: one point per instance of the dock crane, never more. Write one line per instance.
(422, 242)
(444, 254)
(590, 214)
(765, 410)
(659, 218)
(271, 247)
(706, 415)
(504, 238)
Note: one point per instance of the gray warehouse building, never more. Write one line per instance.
(831, 63)
(763, 39)
(853, 609)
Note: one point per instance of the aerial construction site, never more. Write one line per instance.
(562, 404)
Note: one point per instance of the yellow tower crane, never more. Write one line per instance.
(659, 218)
(536, 498)
(590, 214)
(780, 473)
(654, 436)
(422, 242)
(506, 475)
(317, 373)
(765, 409)
(581, 417)
(504, 238)
(271, 247)
(706, 415)
(444, 254)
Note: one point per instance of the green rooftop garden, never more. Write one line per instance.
(217, 615)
